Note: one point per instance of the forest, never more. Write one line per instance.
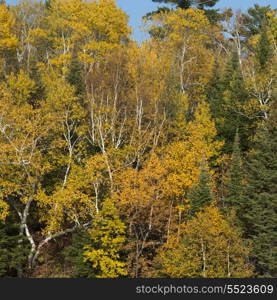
(127, 159)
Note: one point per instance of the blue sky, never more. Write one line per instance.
(138, 8)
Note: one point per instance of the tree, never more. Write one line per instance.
(231, 113)
(263, 50)
(8, 39)
(234, 184)
(107, 238)
(260, 198)
(76, 25)
(255, 19)
(200, 195)
(211, 14)
(184, 4)
(210, 247)
(11, 256)
(74, 255)
(147, 213)
(185, 36)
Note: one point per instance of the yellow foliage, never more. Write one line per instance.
(183, 159)
(107, 235)
(8, 39)
(210, 247)
(21, 87)
(4, 209)
(187, 34)
(91, 27)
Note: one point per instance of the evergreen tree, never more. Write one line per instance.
(73, 255)
(214, 94)
(47, 4)
(188, 3)
(74, 76)
(235, 176)
(200, 194)
(212, 14)
(11, 256)
(261, 200)
(229, 117)
(254, 20)
(263, 50)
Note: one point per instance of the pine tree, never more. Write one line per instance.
(11, 256)
(235, 96)
(261, 200)
(263, 50)
(185, 4)
(234, 182)
(74, 255)
(200, 194)
(74, 76)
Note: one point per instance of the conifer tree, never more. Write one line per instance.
(188, 3)
(200, 194)
(12, 256)
(263, 50)
(235, 177)
(74, 255)
(235, 96)
(261, 200)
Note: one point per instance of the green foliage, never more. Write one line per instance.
(234, 184)
(263, 50)
(12, 256)
(188, 3)
(229, 111)
(74, 255)
(200, 195)
(255, 19)
(212, 14)
(260, 199)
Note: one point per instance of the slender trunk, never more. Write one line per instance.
(169, 221)
(203, 258)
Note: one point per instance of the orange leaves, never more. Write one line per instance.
(141, 187)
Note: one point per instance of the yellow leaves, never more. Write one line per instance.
(202, 132)
(64, 205)
(92, 27)
(141, 187)
(186, 20)
(4, 209)
(186, 34)
(272, 20)
(21, 87)
(210, 247)
(8, 39)
(183, 159)
(107, 263)
(60, 103)
(183, 25)
(107, 235)
(62, 60)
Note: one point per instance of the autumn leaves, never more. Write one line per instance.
(103, 136)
